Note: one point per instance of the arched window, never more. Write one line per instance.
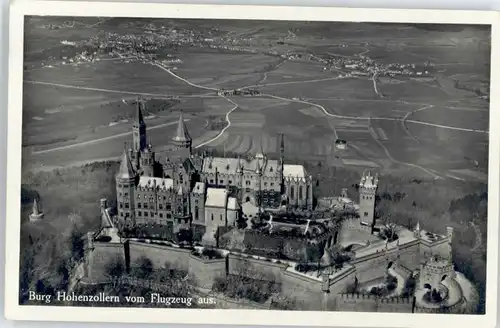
(212, 216)
(196, 214)
(292, 192)
(307, 192)
(301, 192)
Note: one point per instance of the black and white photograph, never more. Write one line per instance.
(243, 164)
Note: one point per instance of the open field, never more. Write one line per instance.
(460, 117)
(134, 76)
(310, 105)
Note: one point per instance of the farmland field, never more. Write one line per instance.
(83, 111)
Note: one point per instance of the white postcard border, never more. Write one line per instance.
(236, 317)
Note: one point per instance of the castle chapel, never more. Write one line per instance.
(159, 195)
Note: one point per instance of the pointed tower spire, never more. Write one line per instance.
(36, 208)
(139, 129)
(126, 170)
(257, 169)
(182, 139)
(239, 167)
(139, 118)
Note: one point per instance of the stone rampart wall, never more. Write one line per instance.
(255, 268)
(98, 257)
(371, 303)
(159, 254)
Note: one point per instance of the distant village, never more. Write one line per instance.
(149, 46)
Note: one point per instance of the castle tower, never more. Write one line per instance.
(139, 129)
(125, 191)
(182, 139)
(36, 213)
(282, 163)
(147, 160)
(239, 180)
(416, 231)
(258, 197)
(367, 190)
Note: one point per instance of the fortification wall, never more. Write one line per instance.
(204, 271)
(371, 267)
(356, 303)
(339, 284)
(375, 265)
(100, 255)
(158, 254)
(307, 292)
(409, 255)
(440, 248)
(255, 268)
(457, 308)
(371, 303)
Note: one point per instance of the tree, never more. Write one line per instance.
(241, 221)
(143, 268)
(77, 244)
(390, 229)
(115, 267)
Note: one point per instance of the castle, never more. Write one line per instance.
(157, 197)
(182, 192)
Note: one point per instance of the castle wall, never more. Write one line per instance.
(204, 271)
(457, 308)
(371, 267)
(371, 303)
(159, 254)
(408, 255)
(99, 257)
(339, 284)
(307, 292)
(375, 265)
(440, 248)
(254, 268)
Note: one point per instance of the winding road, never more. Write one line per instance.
(403, 120)
(224, 129)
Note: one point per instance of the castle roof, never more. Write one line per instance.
(216, 197)
(294, 171)
(36, 207)
(126, 170)
(160, 183)
(227, 165)
(182, 134)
